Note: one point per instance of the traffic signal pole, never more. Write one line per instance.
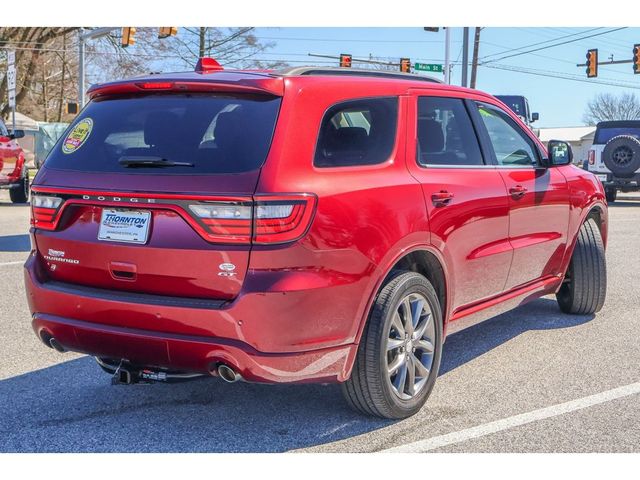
(447, 53)
(83, 36)
(465, 55)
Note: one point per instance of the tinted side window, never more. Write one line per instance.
(445, 133)
(358, 132)
(510, 143)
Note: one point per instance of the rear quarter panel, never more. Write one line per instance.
(365, 216)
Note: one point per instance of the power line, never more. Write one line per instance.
(358, 40)
(554, 45)
(539, 43)
(563, 76)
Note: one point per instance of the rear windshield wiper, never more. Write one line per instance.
(144, 161)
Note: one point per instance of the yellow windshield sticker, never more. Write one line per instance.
(77, 136)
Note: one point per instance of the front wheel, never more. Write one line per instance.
(610, 194)
(585, 285)
(399, 354)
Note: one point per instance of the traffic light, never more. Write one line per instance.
(592, 63)
(128, 36)
(167, 32)
(405, 65)
(636, 58)
(345, 60)
(71, 108)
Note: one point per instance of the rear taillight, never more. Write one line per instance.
(228, 222)
(592, 157)
(44, 211)
(282, 219)
(268, 220)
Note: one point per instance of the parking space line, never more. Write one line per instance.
(18, 262)
(517, 420)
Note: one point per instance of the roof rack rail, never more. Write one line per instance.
(357, 72)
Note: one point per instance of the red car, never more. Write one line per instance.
(307, 225)
(13, 171)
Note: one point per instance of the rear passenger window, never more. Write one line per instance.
(358, 132)
(445, 133)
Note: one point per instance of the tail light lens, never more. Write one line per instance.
(268, 220)
(226, 222)
(282, 219)
(592, 157)
(44, 211)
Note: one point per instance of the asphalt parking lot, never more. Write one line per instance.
(529, 360)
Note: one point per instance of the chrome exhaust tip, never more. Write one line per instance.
(53, 343)
(228, 374)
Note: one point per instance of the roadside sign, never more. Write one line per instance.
(11, 80)
(11, 83)
(428, 67)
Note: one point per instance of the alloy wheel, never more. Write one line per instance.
(410, 346)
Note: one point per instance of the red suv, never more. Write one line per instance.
(13, 170)
(307, 225)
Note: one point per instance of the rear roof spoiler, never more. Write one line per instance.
(219, 81)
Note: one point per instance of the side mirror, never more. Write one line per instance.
(535, 116)
(560, 153)
(16, 134)
(4, 139)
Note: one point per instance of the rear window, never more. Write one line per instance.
(603, 135)
(201, 133)
(358, 132)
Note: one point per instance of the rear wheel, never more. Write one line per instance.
(20, 194)
(611, 194)
(585, 285)
(400, 350)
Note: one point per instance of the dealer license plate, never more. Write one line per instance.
(130, 226)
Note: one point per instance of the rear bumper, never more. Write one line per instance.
(11, 183)
(188, 339)
(625, 184)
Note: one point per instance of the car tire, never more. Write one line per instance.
(21, 193)
(610, 194)
(585, 285)
(397, 363)
(621, 155)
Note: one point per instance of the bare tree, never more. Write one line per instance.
(236, 47)
(31, 45)
(607, 106)
(47, 60)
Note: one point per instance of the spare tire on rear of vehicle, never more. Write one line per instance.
(621, 155)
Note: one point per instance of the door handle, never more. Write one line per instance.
(123, 271)
(441, 198)
(517, 191)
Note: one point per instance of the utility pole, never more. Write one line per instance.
(82, 38)
(465, 55)
(474, 61)
(447, 52)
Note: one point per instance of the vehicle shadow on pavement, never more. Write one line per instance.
(72, 407)
(15, 243)
(541, 314)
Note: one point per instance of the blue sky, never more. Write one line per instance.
(560, 102)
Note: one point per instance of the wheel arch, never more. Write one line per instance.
(596, 211)
(423, 259)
